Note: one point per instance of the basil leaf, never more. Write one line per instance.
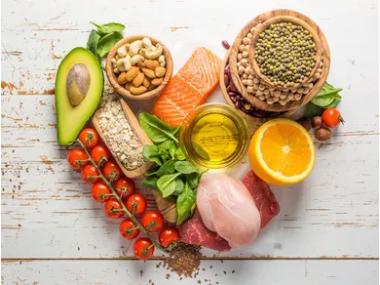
(166, 184)
(185, 204)
(179, 187)
(151, 153)
(328, 89)
(185, 167)
(179, 154)
(313, 110)
(109, 28)
(107, 42)
(156, 130)
(323, 101)
(150, 182)
(166, 168)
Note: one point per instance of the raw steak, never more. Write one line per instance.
(193, 231)
(264, 198)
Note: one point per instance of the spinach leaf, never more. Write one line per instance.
(92, 43)
(334, 103)
(193, 180)
(166, 168)
(151, 153)
(150, 182)
(179, 187)
(106, 43)
(328, 89)
(313, 110)
(176, 130)
(323, 101)
(109, 28)
(179, 154)
(166, 184)
(185, 167)
(156, 130)
(151, 172)
(185, 204)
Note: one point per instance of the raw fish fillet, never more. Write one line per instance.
(189, 88)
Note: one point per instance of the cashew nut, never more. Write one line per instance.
(136, 58)
(147, 44)
(122, 52)
(124, 64)
(162, 60)
(135, 47)
(151, 54)
(113, 61)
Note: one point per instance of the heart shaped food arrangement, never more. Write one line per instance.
(183, 150)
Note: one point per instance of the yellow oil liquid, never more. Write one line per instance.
(215, 137)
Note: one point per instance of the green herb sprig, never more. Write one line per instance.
(101, 41)
(328, 97)
(173, 174)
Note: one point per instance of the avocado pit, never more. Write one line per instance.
(78, 83)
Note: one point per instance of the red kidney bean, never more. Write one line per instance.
(231, 93)
(237, 105)
(233, 99)
(226, 80)
(233, 88)
(226, 45)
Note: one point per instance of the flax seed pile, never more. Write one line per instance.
(184, 259)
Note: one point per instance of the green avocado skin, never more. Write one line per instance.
(71, 120)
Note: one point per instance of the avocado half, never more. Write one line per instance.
(78, 88)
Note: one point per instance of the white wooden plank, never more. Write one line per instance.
(297, 272)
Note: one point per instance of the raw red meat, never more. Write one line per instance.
(193, 231)
(264, 198)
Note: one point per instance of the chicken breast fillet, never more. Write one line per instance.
(227, 208)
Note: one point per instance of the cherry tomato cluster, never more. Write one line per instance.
(124, 187)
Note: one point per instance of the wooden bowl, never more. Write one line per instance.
(226, 96)
(256, 22)
(280, 19)
(113, 78)
(144, 139)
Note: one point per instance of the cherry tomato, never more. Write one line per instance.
(90, 174)
(152, 221)
(124, 187)
(77, 158)
(100, 192)
(167, 236)
(143, 248)
(136, 204)
(111, 171)
(128, 229)
(89, 138)
(331, 118)
(112, 208)
(100, 154)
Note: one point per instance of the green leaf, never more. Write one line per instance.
(166, 184)
(151, 173)
(179, 187)
(185, 204)
(179, 154)
(334, 103)
(323, 101)
(92, 43)
(193, 180)
(156, 130)
(109, 28)
(328, 89)
(176, 130)
(106, 43)
(151, 153)
(185, 167)
(166, 168)
(150, 182)
(313, 110)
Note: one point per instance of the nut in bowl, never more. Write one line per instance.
(139, 67)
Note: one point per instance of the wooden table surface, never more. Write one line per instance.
(53, 233)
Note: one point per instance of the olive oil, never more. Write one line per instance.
(214, 136)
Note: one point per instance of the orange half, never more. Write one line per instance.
(282, 152)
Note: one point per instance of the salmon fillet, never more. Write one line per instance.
(189, 88)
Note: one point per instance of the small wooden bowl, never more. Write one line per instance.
(113, 78)
(257, 22)
(280, 19)
(144, 139)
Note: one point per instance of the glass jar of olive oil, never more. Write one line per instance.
(214, 136)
